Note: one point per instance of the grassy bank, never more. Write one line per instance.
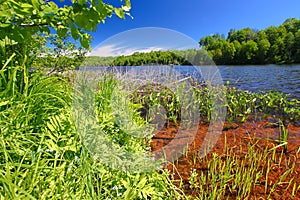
(43, 156)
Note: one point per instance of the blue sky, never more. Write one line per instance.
(144, 39)
(196, 18)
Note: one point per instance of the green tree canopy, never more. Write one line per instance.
(26, 25)
(274, 45)
(20, 19)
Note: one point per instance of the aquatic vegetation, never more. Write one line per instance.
(240, 104)
(283, 135)
(237, 175)
(150, 96)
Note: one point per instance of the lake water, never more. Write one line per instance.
(285, 79)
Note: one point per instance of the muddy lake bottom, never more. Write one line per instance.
(234, 142)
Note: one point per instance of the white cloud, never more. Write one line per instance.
(114, 50)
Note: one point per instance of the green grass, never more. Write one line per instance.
(228, 175)
(42, 155)
(237, 172)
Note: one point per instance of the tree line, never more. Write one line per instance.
(151, 58)
(273, 45)
(171, 57)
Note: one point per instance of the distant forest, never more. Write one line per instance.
(186, 57)
(273, 45)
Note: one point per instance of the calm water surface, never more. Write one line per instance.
(285, 79)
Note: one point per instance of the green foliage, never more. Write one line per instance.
(123, 124)
(174, 57)
(97, 61)
(22, 19)
(25, 26)
(274, 45)
(62, 56)
(152, 58)
(243, 104)
(233, 174)
(42, 155)
(230, 175)
(240, 106)
(151, 97)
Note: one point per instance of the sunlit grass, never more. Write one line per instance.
(42, 156)
(238, 172)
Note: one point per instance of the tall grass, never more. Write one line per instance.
(228, 175)
(43, 157)
(239, 172)
(36, 134)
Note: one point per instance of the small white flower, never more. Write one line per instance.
(57, 154)
(49, 150)
(119, 194)
(77, 159)
(115, 187)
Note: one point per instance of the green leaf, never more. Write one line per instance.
(119, 12)
(4, 25)
(53, 6)
(126, 8)
(81, 20)
(142, 183)
(81, 2)
(74, 32)
(5, 14)
(45, 30)
(128, 4)
(26, 5)
(85, 42)
(61, 32)
(36, 4)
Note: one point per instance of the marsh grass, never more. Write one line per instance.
(283, 135)
(238, 173)
(229, 175)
